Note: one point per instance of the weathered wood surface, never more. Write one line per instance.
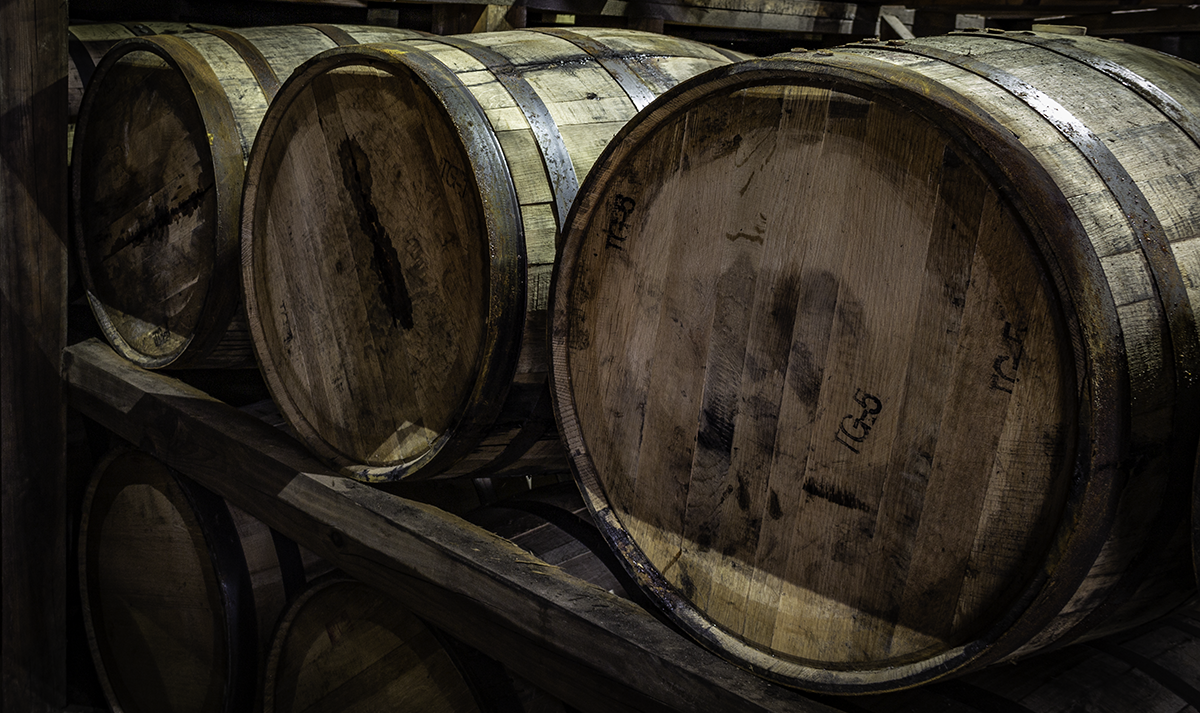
(161, 143)
(86, 45)
(346, 646)
(400, 223)
(33, 276)
(1153, 668)
(181, 590)
(589, 648)
(878, 363)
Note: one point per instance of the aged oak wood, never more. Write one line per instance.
(401, 212)
(33, 278)
(86, 45)
(881, 363)
(181, 591)
(161, 143)
(593, 650)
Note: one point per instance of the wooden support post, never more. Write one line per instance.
(33, 189)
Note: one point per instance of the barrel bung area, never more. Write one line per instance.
(572, 357)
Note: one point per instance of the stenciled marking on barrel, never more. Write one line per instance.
(860, 425)
(618, 221)
(385, 262)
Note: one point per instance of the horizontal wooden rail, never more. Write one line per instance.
(595, 651)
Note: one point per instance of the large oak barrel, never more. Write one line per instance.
(180, 590)
(400, 218)
(344, 646)
(880, 364)
(163, 134)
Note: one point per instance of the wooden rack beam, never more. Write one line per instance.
(595, 651)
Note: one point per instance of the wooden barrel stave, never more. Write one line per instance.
(818, 568)
(180, 589)
(450, 378)
(154, 216)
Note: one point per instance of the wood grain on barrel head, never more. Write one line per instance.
(849, 379)
(148, 224)
(882, 362)
(389, 244)
(402, 217)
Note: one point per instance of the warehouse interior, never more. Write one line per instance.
(535, 638)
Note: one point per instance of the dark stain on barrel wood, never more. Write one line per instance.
(385, 262)
(835, 495)
(158, 225)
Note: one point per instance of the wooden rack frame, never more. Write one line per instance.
(594, 650)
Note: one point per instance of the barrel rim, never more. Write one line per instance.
(224, 151)
(505, 262)
(1085, 301)
(215, 527)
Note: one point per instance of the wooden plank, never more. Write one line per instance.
(590, 648)
(33, 189)
(772, 15)
(1136, 22)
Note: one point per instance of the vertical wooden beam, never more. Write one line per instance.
(33, 190)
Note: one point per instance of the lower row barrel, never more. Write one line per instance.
(880, 363)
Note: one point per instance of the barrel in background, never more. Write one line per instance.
(399, 229)
(344, 646)
(879, 364)
(180, 589)
(161, 143)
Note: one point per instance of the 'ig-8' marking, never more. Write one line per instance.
(855, 429)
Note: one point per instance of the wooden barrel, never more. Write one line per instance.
(399, 225)
(880, 364)
(344, 646)
(161, 143)
(86, 45)
(1152, 668)
(180, 589)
